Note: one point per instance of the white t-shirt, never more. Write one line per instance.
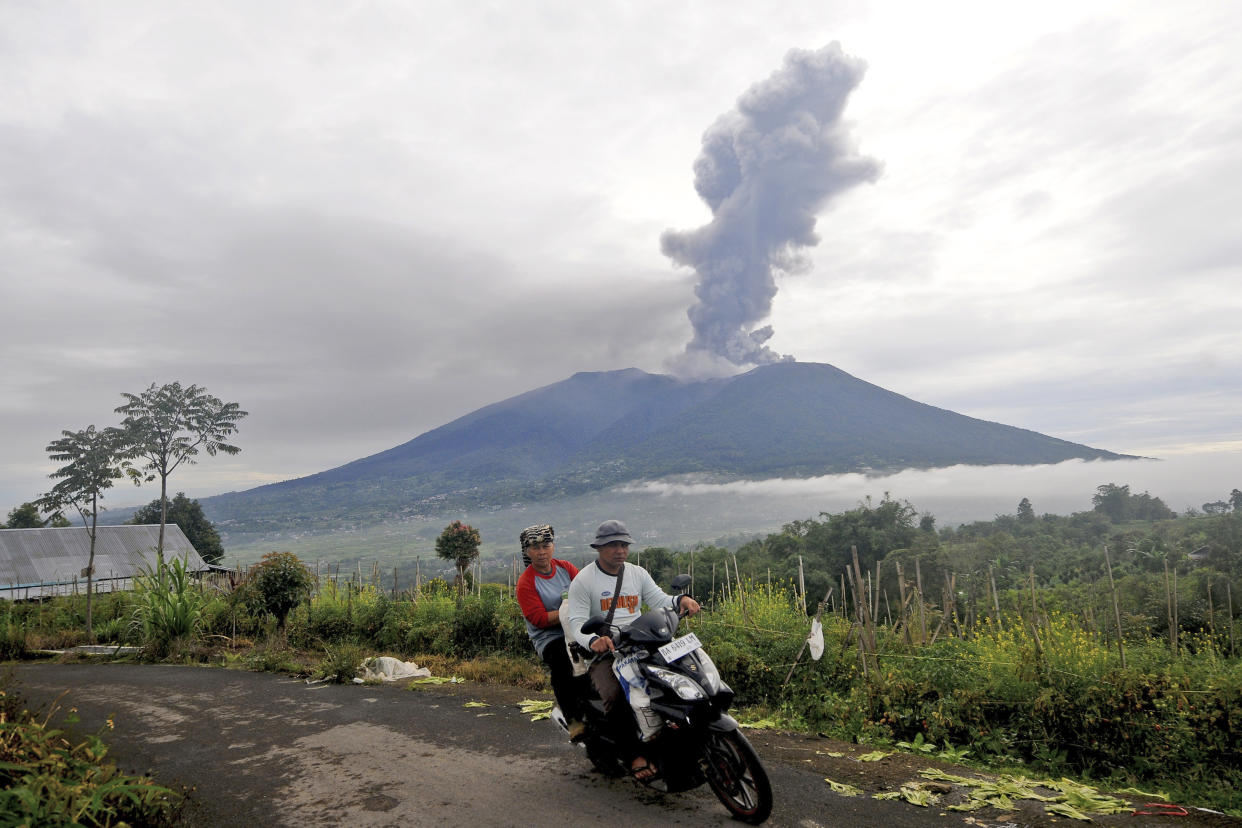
(590, 595)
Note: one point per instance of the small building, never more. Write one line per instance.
(40, 563)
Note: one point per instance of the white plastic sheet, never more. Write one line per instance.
(388, 668)
(816, 640)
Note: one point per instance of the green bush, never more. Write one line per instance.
(167, 608)
(277, 584)
(47, 779)
(342, 661)
(13, 645)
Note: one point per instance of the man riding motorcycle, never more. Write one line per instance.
(611, 588)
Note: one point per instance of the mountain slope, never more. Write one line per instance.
(598, 429)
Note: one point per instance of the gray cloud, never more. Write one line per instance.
(766, 170)
(360, 222)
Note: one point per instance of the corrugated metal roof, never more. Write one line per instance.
(36, 562)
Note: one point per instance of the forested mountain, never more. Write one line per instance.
(600, 429)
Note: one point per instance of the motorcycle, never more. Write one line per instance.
(698, 740)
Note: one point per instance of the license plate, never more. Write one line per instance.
(679, 647)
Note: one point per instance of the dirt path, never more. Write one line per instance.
(262, 749)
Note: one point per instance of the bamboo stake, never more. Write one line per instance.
(801, 585)
(1034, 608)
(901, 616)
(875, 595)
(857, 624)
(1229, 598)
(1121, 646)
(1211, 616)
(864, 608)
(867, 595)
(995, 599)
(1168, 602)
(918, 579)
(1177, 622)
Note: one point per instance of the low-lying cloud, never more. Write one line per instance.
(961, 494)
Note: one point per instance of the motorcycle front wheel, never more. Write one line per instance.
(603, 758)
(737, 777)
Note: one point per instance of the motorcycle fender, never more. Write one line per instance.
(724, 724)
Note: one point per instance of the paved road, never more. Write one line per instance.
(262, 749)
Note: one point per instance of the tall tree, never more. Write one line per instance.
(1112, 500)
(188, 514)
(28, 516)
(93, 460)
(169, 425)
(25, 516)
(459, 543)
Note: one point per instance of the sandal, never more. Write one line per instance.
(643, 771)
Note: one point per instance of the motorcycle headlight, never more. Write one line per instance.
(683, 686)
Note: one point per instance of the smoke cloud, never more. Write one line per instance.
(766, 169)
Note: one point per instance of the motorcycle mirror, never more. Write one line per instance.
(681, 582)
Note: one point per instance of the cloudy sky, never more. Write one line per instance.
(361, 220)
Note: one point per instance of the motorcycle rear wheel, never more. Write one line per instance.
(737, 777)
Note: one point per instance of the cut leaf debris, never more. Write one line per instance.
(540, 709)
(438, 680)
(915, 794)
(874, 756)
(1072, 799)
(476, 704)
(842, 788)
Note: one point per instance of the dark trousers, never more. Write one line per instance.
(620, 717)
(557, 659)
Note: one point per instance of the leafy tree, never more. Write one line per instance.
(277, 584)
(1026, 512)
(1120, 505)
(188, 514)
(25, 516)
(660, 563)
(168, 425)
(93, 460)
(1235, 500)
(1216, 507)
(459, 543)
(1112, 500)
(875, 529)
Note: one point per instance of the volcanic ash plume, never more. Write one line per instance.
(766, 169)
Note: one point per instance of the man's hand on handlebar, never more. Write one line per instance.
(688, 606)
(603, 644)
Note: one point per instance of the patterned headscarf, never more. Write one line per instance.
(540, 533)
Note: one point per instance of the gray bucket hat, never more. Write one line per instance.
(609, 531)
